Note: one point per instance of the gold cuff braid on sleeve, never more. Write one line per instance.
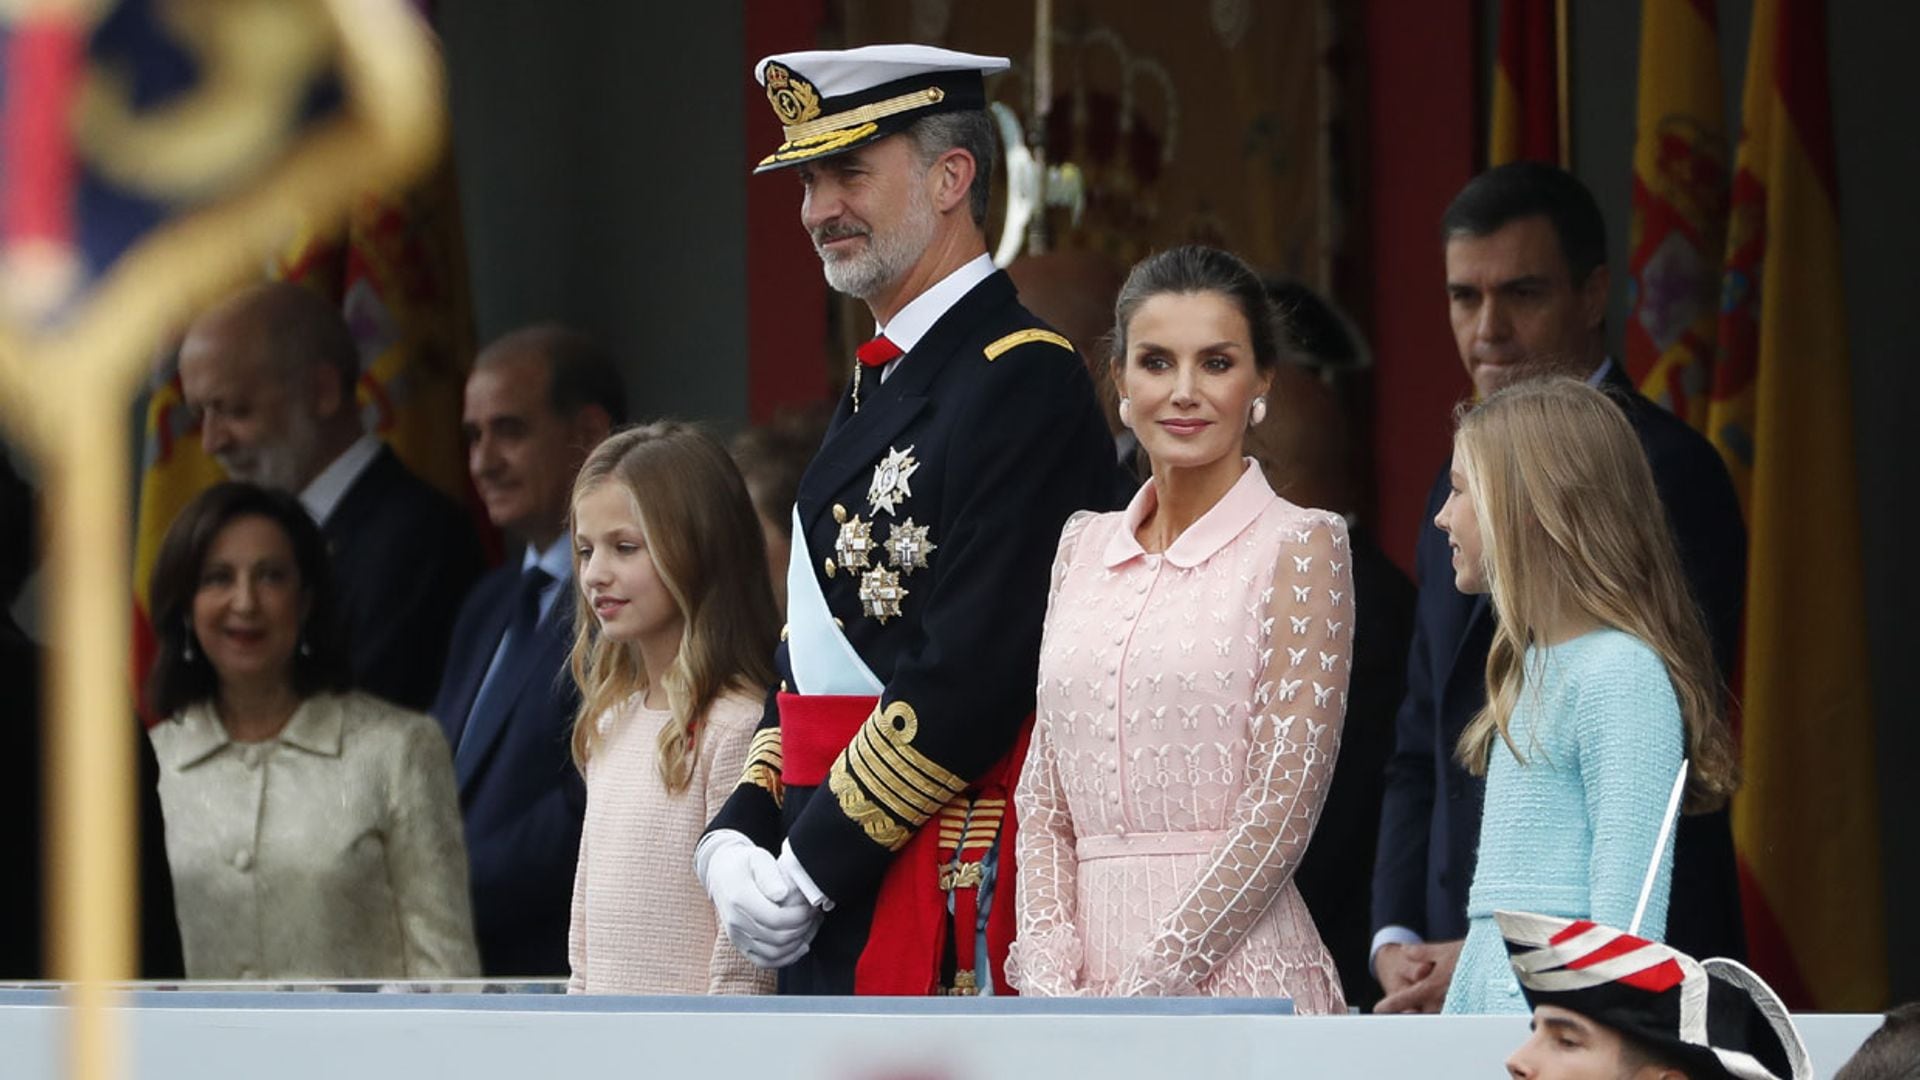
(763, 765)
(885, 785)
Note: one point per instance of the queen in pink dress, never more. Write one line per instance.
(1193, 679)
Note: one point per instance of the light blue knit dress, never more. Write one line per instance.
(1571, 830)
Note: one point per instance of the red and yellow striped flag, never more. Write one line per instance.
(174, 470)
(1526, 86)
(1678, 236)
(1807, 819)
(398, 272)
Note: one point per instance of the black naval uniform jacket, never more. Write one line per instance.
(993, 420)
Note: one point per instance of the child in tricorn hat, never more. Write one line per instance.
(1609, 1004)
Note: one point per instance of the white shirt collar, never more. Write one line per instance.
(1600, 373)
(556, 558)
(323, 495)
(912, 322)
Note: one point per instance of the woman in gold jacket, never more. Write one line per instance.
(313, 832)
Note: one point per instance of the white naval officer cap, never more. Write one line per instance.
(830, 101)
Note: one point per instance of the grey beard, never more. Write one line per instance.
(860, 276)
(277, 466)
(888, 256)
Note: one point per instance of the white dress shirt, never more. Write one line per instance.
(323, 495)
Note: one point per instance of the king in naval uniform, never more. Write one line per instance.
(858, 851)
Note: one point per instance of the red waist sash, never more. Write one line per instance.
(814, 728)
(910, 924)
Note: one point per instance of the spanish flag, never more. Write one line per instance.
(398, 271)
(1806, 821)
(1526, 86)
(175, 469)
(1678, 236)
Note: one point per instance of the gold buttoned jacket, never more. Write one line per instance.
(331, 852)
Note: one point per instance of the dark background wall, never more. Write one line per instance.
(599, 148)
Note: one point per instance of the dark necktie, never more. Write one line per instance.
(516, 650)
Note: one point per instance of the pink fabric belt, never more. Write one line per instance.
(1090, 848)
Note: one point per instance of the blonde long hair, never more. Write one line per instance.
(1570, 521)
(707, 548)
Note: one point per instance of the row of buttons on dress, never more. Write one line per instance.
(252, 755)
(1141, 587)
(1120, 636)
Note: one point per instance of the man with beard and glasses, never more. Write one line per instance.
(270, 373)
(857, 854)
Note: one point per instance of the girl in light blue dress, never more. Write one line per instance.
(1600, 681)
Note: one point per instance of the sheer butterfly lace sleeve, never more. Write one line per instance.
(1046, 955)
(1299, 704)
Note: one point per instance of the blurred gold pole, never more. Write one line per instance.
(90, 851)
(66, 396)
(71, 414)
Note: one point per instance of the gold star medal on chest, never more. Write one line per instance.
(892, 480)
(908, 546)
(881, 594)
(855, 542)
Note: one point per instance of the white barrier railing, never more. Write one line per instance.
(193, 1034)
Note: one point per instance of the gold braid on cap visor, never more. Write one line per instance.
(819, 144)
(865, 114)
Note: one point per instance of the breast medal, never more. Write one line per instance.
(855, 540)
(881, 593)
(891, 480)
(908, 547)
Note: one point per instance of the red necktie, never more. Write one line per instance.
(877, 352)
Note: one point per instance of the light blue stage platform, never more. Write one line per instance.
(374, 1034)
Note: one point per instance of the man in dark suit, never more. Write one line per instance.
(271, 373)
(925, 529)
(537, 402)
(1527, 292)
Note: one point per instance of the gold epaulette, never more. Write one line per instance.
(1022, 337)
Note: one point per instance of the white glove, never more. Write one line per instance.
(764, 915)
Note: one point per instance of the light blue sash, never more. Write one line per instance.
(823, 660)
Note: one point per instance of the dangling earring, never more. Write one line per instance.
(186, 645)
(1259, 412)
(305, 649)
(1126, 413)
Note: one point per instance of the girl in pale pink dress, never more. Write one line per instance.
(1193, 680)
(673, 653)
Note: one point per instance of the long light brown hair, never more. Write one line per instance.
(707, 548)
(1571, 523)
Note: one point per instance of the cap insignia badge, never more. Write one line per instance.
(854, 543)
(909, 547)
(793, 98)
(891, 480)
(881, 593)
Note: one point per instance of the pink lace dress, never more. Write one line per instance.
(1189, 713)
